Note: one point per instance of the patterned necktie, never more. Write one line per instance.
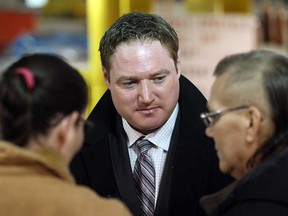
(144, 176)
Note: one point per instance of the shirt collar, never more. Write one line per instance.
(160, 138)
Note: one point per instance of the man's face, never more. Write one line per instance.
(144, 84)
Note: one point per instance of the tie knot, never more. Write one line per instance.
(143, 145)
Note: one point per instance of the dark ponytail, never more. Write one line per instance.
(36, 99)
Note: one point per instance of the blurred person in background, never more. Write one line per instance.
(149, 100)
(248, 121)
(42, 107)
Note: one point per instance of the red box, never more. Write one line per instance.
(15, 23)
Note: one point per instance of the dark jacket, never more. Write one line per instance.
(263, 191)
(191, 168)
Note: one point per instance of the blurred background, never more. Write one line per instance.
(208, 31)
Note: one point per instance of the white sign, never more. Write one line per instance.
(205, 39)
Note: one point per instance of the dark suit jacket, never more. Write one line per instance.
(191, 168)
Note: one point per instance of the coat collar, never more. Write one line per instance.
(266, 182)
(210, 203)
(28, 161)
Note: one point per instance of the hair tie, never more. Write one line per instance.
(27, 75)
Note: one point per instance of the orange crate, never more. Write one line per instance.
(14, 23)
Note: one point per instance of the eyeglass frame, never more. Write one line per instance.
(209, 118)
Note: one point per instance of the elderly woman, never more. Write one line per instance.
(249, 124)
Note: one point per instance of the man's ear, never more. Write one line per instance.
(66, 129)
(178, 65)
(254, 119)
(106, 76)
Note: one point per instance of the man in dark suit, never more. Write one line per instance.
(148, 98)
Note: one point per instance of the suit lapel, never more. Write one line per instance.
(122, 169)
(162, 206)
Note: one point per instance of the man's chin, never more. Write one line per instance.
(147, 130)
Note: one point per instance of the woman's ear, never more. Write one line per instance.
(66, 129)
(253, 124)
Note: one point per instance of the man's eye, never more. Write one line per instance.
(159, 79)
(130, 84)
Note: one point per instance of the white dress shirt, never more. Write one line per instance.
(161, 140)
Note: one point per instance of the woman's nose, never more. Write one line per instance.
(208, 132)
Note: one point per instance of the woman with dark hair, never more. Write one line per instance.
(249, 124)
(42, 107)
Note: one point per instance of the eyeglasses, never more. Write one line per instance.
(211, 117)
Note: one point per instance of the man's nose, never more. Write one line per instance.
(145, 92)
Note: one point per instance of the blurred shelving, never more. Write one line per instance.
(74, 22)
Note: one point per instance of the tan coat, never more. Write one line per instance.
(39, 183)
